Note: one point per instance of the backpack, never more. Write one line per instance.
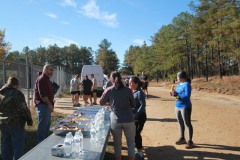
(55, 87)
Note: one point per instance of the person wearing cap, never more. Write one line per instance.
(183, 108)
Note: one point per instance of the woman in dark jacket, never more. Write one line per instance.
(139, 112)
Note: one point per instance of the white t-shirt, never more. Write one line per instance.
(74, 84)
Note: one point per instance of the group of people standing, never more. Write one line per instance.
(86, 87)
(16, 113)
(128, 113)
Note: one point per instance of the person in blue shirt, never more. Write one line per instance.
(183, 108)
(139, 112)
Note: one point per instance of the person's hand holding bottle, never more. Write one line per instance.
(172, 91)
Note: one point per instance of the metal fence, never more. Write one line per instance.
(27, 75)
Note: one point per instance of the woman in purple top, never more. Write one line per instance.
(183, 108)
(121, 100)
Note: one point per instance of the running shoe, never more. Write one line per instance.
(181, 141)
(189, 144)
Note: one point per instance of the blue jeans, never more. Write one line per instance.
(13, 142)
(44, 121)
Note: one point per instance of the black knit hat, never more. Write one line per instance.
(182, 74)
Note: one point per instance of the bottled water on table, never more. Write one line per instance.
(76, 142)
(99, 125)
(93, 134)
(68, 144)
(81, 141)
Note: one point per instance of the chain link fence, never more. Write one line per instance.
(27, 74)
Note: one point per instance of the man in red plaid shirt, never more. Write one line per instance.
(43, 98)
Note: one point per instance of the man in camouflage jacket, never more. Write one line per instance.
(13, 106)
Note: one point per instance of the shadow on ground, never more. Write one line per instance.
(109, 154)
(152, 96)
(162, 120)
(168, 99)
(165, 120)
(220, 147)
(171, 153)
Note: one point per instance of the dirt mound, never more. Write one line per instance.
(227, 85)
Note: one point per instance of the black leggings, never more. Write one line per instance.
(139, 127)
(184, 117)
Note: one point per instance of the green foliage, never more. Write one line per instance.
(4, 46)
(71, 58)
(106, 57)
(204, 43)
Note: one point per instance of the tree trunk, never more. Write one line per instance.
(206, 63)
(219, 60)
(206, 72)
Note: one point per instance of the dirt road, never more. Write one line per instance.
(216, 124)
(215, 119)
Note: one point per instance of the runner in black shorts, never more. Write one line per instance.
(94, 91)
(87, 90)
(75, 92)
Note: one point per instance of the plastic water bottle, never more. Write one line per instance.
(93, 135)
(76, 142)
(81, 141)
(71, 137)
(68, 145)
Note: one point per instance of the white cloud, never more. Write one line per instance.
(138, 41)
(60, 41)
(70, 3)
(65, 22)
(51, 15)
(92, 10)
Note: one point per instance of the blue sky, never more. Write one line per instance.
(35, 23)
